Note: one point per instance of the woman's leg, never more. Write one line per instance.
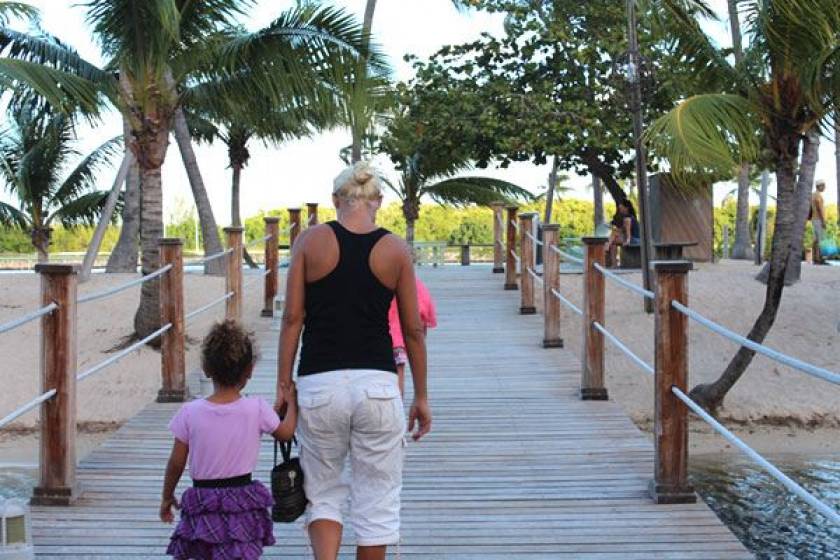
(325, 536)
(370, 553)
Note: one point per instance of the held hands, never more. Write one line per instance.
(420, 415)
(166, 505)
(286, 393)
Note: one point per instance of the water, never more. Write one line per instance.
(769, 520)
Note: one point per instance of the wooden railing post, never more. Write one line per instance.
(294, 224)
(498, 234)
(233, 277)
(311, 214)
(510, 247)
(551, 281)
(172, 358)
(592, 380)
(670, 483)
(57, 479)
(526, 257)
(465, 255)
(272, 228)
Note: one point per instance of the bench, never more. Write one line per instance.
(631, 255)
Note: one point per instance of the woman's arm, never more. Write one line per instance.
(292, 322)
(415, 345)
(174, 471)
(628, 229)
(286, 430)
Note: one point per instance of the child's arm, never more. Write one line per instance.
(286, 430)
(174, 471)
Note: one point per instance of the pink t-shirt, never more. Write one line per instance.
(224, 439)
(428, 315)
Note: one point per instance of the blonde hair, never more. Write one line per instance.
(358, 182)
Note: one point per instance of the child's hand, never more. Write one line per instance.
(166, 506)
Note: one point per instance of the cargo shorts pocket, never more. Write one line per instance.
(316, 417)
(381, 411)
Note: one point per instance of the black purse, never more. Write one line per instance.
(287, 486)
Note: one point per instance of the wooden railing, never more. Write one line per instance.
(669, 482)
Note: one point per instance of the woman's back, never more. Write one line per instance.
(346, 303)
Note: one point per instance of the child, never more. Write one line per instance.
(225, 514)
(428, 316)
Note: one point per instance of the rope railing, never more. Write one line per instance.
(567, 256)
(515, 256)
(780, 357)
(20, 411)
(623, 347)
(536, 276)
(566, 302)
(15, 323)
(210, 258)
(260, 240)
(123, 353)
(515, 225)
(619, 280)
(532, 238)
(204, 308)
(116, 289)
(771, 469)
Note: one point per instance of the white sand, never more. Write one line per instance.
(120, 391)
(768, 393)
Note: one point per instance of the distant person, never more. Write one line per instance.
(625, 227)
(428, 316)
(341, 280)
(226, 513)
(817, 217)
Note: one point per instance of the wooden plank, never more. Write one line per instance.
(516, 467)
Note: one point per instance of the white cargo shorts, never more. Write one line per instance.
(357, 413)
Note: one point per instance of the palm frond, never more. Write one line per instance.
(709, 133)
(10, 10)
(84, 210)
(12, 217)
(474, 190)
(197, 20)
(63, 90)
(47, 49)
(86, 174)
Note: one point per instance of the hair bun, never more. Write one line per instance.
(362, 173)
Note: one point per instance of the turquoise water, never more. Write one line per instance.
(769, 520)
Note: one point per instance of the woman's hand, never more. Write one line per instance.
(420, 415)
(166, 505)
(281, 401)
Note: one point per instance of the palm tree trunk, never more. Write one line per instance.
(837, 158)
(367, 25)
(212, 243)
(710, 396)
(742, 248)
(41, 241)
(147, 317)
(105, 218)
(123, 257)
(804, 187)
(235, 217)
(411, 211)
(597, 201)
(552, 187)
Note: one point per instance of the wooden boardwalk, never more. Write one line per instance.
(517, 467)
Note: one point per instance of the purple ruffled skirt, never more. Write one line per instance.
(223, 523)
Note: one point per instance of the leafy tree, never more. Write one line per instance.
(36, 153)
(786, 88)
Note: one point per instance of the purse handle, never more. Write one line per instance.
(285, 449)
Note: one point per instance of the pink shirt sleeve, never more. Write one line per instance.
(428, 313)
(394, 326)
(179, 425)
(269, 420)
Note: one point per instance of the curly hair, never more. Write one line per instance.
(226, 353)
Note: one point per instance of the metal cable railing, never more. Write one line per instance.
(123, 353)
(566, 302)
(771, 469)
(204, 308)
(623, 347)
(805, 367)
(629, 285)
(567, 256)
(116, 289)
(15, 323)
(20, 411)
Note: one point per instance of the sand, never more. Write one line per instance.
(118, 392)
(768, 394)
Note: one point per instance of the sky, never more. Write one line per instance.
(302, 171)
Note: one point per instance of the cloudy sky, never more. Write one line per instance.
(302, 171)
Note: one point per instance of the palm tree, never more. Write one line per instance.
(36, 152)
(786, 93)
(155, 49)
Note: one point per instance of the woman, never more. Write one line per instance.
(341, 280)
(625, 229)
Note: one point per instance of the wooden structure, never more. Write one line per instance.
(592, 371)
(311, 214)
(173, 357)
(682, 215)
(272, 230)
(517, 466)
(498, 237)
(510, 249)
(294, 225)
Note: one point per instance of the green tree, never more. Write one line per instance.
(786, 88)
(36, 154)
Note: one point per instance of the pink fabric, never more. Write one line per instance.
(428, 315)
(224, 439)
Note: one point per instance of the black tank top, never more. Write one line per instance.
(346, 324)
